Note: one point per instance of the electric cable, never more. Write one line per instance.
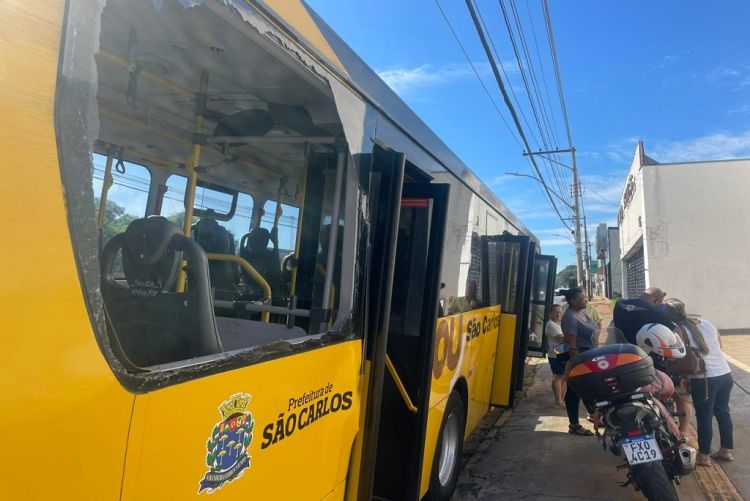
(486, 90)
(509, 104)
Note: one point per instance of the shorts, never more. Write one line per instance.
(557, 366)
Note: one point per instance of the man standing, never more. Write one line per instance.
(632, 314)
(654, 296)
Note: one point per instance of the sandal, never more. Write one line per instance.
(579, 430)
(703, 460)
(726, 456)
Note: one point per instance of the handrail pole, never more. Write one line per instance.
(400, 385)
(267, 294)
(106, 185)
(192, 173)
(335, 212)
(297, 243)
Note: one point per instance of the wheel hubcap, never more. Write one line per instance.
(448, 450)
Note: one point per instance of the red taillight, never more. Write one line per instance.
(579, 370)
(635, 433)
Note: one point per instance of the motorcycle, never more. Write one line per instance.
(630, 402)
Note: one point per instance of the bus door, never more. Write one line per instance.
(409, 333)
(514, 258)
(541, 296)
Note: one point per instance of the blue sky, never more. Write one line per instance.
(673, 74)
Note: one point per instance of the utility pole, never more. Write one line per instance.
(587, 245)
(577, 216)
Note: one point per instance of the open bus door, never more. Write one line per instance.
(543, 273)
(411, 334)
(513, 255)
(403, 293)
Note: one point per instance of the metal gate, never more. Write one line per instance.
(636, 274)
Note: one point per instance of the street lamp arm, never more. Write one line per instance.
(565, 236)
(543, 184)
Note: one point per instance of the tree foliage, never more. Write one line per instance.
(116, 220)
(566, 275)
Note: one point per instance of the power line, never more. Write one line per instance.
(558, 78)
(505, 74)
(531, 86)
(510, 105)
(486, 91)
(602, 197)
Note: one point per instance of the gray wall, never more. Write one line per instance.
(697, 237)
(615, 263)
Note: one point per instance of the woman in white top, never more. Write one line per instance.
(555, 336)
(710, 395)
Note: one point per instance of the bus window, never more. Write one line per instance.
(188, 294)
(472, 297)
(287, 224)
(509, 290)
(126, 197)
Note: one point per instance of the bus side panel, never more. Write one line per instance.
(338, 493)
(503, 372)
(482, 329)
(464, 347)
(64, 417)
(432, 432)
(295, 419)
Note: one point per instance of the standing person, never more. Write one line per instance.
(581, 333)
(594, 314)
(555, 336)
(654, 296)
(710, 395)
(629, 315)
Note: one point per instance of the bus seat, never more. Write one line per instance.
(237, 334)
(215, 238)
(254, 249)
(153, 323)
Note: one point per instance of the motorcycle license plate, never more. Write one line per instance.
(641, 449)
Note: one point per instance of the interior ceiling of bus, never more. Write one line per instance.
(177, 43)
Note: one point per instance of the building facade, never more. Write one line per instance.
(685, 227)
(614, 263)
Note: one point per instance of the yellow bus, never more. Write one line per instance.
(237, 265)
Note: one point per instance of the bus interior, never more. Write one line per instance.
(193, 140)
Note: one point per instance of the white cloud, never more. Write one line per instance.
(717, 146)
(742, 109)
(500, 180)
(736, 76)
(403, 80)
(406, 79)
(554, 242)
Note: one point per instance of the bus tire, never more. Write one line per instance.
(447, 462)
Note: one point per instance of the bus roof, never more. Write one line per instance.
(310, 30)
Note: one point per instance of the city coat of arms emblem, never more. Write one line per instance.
(227, 447)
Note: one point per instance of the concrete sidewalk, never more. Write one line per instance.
(528, 454)
(737, 349)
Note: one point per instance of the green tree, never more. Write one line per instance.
(566, 275)
(116, 220)
(177, 218)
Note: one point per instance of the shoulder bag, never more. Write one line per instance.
(692, 363)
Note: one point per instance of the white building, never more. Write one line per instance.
(685, 227)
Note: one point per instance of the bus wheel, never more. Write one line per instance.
(447, 463)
